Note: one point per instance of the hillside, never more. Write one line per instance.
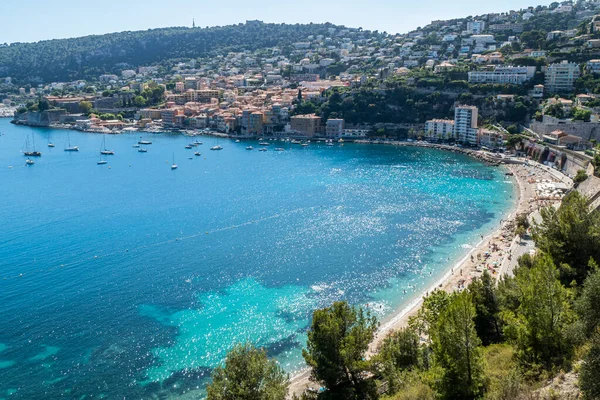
(90, 56)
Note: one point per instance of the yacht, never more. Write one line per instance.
(29, 161)
(144, 141)
(50, 144)
(197, 154)
(33, 152)
(237, 141)
(217, 147)
(197, 143)
(142, 150)
(263, 149)
(264, 143)
(249, 148)
(304, 144)
(174, 166)
(189, 146)
(102, 162)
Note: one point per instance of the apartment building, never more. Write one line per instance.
(503, 75)
(306, 125)
(560, 77)
(593, 66)
(465, 124)
(334, 128)
(475, 27)
(439, 129)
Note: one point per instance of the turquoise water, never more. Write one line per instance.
(130, 280)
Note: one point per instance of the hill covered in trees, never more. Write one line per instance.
(90, 56)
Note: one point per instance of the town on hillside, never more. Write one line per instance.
(530, 76)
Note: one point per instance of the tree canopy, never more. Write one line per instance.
(248, 375)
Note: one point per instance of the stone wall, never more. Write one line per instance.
(584, 130)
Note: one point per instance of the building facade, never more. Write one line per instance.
(465, 124)
(503, 75)
(306, 125)
(439, 129)
(561, 77)
(334, 128)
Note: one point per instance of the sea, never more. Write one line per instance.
(132, 280)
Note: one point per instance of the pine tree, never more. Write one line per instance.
(457, 349)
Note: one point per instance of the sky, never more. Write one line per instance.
(34, 20)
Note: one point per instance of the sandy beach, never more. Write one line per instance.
(498, 253)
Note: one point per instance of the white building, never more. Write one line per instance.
(560, 77)
(439, 129)
(503, 75)
(465, 124)
(475, 27)
(593, 66)
(334, 128)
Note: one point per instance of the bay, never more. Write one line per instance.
(132, 280)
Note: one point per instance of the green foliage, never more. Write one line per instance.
(580, 114)
(429, 313)
(414, 385)
(85, 106)
(588, 303)
(338, 339)
(539, 325)
(503, 377)
(555, 110)
(400, 351)
(483, 293)
(581, 176)
(457, 349)
(139, 101)
(522, 221)
(571, 236)
(248, 375)
(91, 56)
(590, 370)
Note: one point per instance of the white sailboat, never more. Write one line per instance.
(69, 147)
(174, 166)
(104, 150)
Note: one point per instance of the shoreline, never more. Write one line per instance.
(462, 272)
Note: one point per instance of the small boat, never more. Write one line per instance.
(264, 143)
(50, 144)
(144, 141)
(142, 150)
(136, 146)
(29, 161)
(217, 147)
(263, 149)
(304, 144)
(102, 162)
(279, 149)
(237, 141)
(249, 148)
(69, 147)
(197, 154)
(189, 146)
(329, 144)
(174, 166)
(196, 143)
